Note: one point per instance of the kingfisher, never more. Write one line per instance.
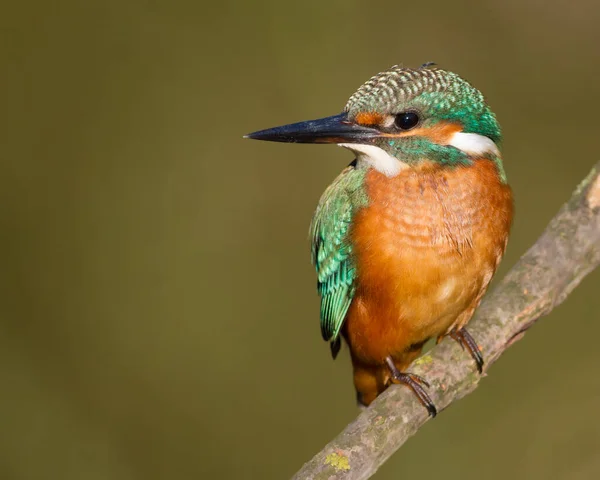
(407, 238)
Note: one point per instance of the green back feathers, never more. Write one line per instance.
(332, 250)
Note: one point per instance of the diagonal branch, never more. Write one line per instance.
(566, 252)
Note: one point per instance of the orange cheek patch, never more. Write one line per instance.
(441, 133)
(369, 118)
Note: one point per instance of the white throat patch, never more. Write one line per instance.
(377, 158)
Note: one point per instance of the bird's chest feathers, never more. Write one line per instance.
(431, 234)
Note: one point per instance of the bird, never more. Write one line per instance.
(406, 240)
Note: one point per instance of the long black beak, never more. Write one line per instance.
(335, 129)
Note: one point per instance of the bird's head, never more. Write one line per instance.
(402, 117)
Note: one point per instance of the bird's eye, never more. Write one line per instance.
(406, 120)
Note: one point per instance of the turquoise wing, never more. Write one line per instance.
(332, 250)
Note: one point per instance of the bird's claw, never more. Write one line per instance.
(465, 340)
(412, 376)
(415, 383)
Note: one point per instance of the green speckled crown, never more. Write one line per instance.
(443, 94)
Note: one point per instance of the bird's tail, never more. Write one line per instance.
(370, 380)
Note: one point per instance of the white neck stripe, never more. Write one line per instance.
(473, 144)
(380, 160)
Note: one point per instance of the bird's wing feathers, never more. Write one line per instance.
(332, 250)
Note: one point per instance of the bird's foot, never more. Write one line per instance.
(416, 384)
(465, 340)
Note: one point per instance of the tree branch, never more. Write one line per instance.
(566, 252)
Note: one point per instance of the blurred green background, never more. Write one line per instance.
(158, 316)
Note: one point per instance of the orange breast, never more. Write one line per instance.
(426, 248)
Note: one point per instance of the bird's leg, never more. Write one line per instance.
(465, 340)
(415, 383)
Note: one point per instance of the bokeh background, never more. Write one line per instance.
(158, 317)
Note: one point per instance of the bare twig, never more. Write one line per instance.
(566, 252)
